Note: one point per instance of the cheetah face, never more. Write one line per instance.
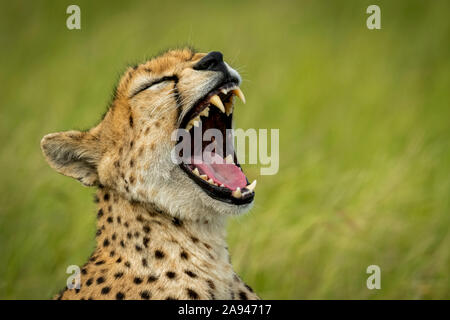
(132, 149)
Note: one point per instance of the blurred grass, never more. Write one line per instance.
(364, 123)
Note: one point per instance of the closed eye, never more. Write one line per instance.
(147, 85)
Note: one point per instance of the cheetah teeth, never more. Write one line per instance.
(236, 91)
(229, 106)
(205, 177)
(240, 94)
(238, 193)
(205, 112)
(215, 100)
(194, 123)
(225, 107)
(251, 186)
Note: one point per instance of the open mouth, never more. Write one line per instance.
(213, 164)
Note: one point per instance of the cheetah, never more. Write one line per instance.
(161, 225)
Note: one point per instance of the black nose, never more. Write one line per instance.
(212, 61)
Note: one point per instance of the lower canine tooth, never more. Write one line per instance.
(252, 186)
(215, 100)
(204, 177)
(237, 193)
(196, 172)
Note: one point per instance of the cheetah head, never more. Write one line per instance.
(132, 149)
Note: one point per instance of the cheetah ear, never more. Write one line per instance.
(74, 154)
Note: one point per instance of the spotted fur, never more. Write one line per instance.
(159, 235)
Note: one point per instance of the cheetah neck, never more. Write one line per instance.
(143, 235)
(144, 253)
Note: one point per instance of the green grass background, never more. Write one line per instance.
(364, 121)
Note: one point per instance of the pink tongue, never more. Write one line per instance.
(229, 175)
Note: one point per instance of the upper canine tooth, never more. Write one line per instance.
(240, 94)
(237, 193)
(251, 186)
(229, 159)
(224, 91)
(215, 100)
